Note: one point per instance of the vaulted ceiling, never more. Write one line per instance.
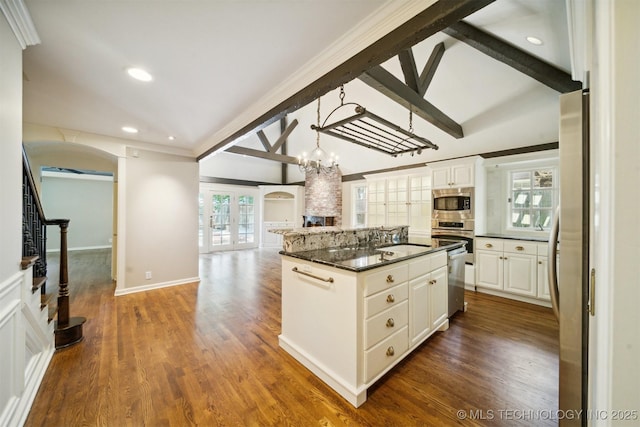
(225, 69)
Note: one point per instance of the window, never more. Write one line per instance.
(533, 199)
(359, 205)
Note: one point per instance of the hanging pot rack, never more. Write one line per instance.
(371, 131)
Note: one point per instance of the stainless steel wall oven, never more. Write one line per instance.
(453, 217)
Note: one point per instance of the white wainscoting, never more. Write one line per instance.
(30, 347)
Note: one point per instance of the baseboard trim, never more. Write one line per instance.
(153, 286)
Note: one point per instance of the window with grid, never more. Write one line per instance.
(533, 199)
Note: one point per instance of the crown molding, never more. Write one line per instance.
(19, 19)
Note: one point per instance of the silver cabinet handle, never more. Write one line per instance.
(295, 270)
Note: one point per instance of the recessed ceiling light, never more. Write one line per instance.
(139, 74)
(172, 138)
(129, 129)
(534, 40)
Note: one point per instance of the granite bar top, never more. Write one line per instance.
(512, 237)
(362, 258)
(311, 238)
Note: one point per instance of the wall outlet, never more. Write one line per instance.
(147, 275)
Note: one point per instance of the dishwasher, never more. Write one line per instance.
(455, 263)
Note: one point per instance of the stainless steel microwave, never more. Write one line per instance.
(454, 200)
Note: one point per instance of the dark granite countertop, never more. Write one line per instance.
(511, 237)
(359, 259)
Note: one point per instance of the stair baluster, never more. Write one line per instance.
(68, 330)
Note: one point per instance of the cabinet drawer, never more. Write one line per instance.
(385, 353)
(520, 247)
(427, 264)
(438, 260)
(383, 300)
(384, 279)
(489, 245)
(386, 323)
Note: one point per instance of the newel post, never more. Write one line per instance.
(68, 330)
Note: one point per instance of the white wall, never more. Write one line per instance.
(235, 166)
(158, 221)
(10, 152)
(497, 188)
(27, 342)
(614, 330)
(86, 200)
(11, 329)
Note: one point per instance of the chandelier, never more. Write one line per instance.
(318, 161)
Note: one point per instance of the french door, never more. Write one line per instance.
(227, 220)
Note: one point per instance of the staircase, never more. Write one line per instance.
(67, 330)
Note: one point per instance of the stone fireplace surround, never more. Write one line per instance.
(323, 198)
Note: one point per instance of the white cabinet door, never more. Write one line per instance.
(419, 320)
(489, 269)
(376, 203)
(438, 297)
(441, 177)
(397, 201)
(543, 279)
(419, 214)
(520, 274)
(462, 175)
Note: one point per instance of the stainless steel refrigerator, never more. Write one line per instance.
(569, 241)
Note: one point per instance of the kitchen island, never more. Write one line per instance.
(351, 313)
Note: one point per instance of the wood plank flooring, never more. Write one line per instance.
(207, 354)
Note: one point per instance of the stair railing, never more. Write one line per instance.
(68, 330)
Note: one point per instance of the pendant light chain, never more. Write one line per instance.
(410, 120)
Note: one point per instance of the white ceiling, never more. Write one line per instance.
(212, 59)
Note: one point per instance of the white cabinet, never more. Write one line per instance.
(511, 266)
(520, 269)
(429, 296)
(376, 202)
(351, 328)
(489, 267)
(282, 206)
(543, 272)
(274, 240)
(400, 200)
(439, 297)
(453, 176)
(543, 278)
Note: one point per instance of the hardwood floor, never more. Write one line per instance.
(207, 354)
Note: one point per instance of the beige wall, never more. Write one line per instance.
(156, 202)
(158, 221)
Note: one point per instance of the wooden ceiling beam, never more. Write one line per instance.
(409, 69)
(514, 57)
(285, 134)
(262, 154)
(430, 68)
(386, 83)
(433, 19)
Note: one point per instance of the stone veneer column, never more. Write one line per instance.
(323, 194)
